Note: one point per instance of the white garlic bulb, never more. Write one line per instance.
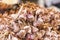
(10, 2)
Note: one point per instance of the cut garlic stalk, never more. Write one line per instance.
(17, 14)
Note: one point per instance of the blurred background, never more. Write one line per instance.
(46, 3)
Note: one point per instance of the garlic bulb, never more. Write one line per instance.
(10, 2)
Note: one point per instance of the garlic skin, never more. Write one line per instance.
(16, 28)
(35, 29)
(14, 38)
(30, 36)
(38, 11)
(21, 34)
(46, 38)
(23, 16)
(27, 29)
(1, 27)
(40, 20)
(14, 16)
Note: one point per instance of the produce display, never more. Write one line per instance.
(29, 21)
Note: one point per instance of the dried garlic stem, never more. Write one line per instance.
(19, 12)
